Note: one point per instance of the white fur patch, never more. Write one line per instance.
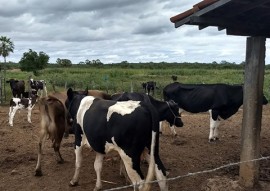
(122, 108)
(84, 106)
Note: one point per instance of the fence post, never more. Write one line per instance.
(1, 93)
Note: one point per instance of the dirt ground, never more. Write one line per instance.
(189, 152)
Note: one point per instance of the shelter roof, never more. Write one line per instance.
(237, 17)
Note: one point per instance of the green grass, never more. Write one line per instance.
(116, 79)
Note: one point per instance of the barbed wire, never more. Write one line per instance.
(191, 173)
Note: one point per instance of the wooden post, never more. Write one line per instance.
(252, 110)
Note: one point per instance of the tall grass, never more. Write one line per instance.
(116, 79)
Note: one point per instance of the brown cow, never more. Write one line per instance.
(53, 124)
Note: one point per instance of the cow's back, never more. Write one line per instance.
(202, 97)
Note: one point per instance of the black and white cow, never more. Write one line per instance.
(17, 87)
(221, 100)
(149, 86)
(38, 85)
(127, 127)
(167, 110)
(21, 103)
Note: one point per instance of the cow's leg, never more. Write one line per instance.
(9, 116)
(160, 176)
(132, 166)
(173, 130)
(56, 147)
(45, 90)
(159, 173)
(41, 143)
(12, 114)
(29, 114)
(216, 133)
(98, 168)
(78, 163)
(214, 123)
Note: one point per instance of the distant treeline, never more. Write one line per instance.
(150, 65)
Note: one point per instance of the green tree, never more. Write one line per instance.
(33, 61)
(64, 62)
(6, 47)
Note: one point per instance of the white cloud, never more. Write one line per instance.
(114, 31)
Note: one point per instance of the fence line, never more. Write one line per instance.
(191, 173)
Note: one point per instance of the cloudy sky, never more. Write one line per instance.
(113, 31)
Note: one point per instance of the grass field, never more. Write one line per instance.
(115, 78)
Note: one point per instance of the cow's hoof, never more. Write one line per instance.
(73, 184)
(96, 189)
(175, 135)
(211, 140)
(38, 173)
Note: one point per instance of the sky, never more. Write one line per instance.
(114, 31)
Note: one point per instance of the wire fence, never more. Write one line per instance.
(190, 174)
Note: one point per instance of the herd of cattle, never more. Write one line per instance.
(127, 123)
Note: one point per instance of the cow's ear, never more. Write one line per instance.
(70, 93)
(85, 91)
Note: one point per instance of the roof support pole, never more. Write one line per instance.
(252, 110)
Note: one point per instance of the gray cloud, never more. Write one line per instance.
(113, 31)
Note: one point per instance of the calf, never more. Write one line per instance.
(52, 123)
(17, 87)
(21, 103)
(126, 127)
(149, 86)
(221, 100)
(38, 85)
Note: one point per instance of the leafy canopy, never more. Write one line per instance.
(64, 62)
(33, 61)
(6, 46)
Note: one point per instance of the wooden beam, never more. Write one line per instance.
(252, 110)
(249, 6)
(248, 32)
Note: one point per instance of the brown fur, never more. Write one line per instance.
(53, 124)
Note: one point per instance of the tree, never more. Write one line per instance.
(63, 62)
(6, 46)
(33, 61)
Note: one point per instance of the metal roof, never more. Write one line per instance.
(237, 17)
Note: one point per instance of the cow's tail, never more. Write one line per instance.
(153, 148)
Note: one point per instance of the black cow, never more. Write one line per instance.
(127, 127)
(174, 78)
(168, 110)
(38, 85)
(221, 100)
(149, 86)
(17, 87)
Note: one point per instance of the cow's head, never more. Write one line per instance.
(73, 101)
(173, 116)
(12, 82)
